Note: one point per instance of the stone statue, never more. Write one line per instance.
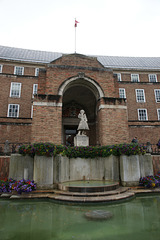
(6, 147)
(83, 125)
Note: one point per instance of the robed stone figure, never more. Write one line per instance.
(83, 125)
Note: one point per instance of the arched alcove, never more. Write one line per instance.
(79, 93)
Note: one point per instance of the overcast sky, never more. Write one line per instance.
(106, 27)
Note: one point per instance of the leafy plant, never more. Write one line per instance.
(49, 150)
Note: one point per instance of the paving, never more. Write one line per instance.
(120, 194)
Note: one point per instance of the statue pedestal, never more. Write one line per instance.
(81, 140)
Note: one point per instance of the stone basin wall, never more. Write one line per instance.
(47, 172)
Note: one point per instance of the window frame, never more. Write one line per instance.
(32, 111)
(132, 77)
(152, 75)
(124, 93)
(119, 77)
(35, 84)
(15, 96)
(157, 101)
(158, 114)
(142, 109)
(140, 101)
(1, 67)
(36, 72)
(15, 70)
(8, 114)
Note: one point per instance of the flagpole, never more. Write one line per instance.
(75, 35)
(75, 25)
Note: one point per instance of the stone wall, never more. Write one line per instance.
(134, 167)
(89, 169)
(49, 171)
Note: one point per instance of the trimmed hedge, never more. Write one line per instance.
(49, 150)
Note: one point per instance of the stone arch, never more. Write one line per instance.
(84, 81)
(79, 92)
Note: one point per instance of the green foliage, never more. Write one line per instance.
(49, 150)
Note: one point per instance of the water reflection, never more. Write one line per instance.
(45, 220)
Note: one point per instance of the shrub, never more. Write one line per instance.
(49, 149)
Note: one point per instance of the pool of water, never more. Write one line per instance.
(89, 183)
(138, 219)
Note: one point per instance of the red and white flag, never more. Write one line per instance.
(76, 23)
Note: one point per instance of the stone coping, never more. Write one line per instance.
(122, 195)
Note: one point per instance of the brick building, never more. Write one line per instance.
(42, 93)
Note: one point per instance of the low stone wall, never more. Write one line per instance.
(79, 169)
(4, 167)
(21, 167)
(43, 172)
(48, 171)
(133, 167)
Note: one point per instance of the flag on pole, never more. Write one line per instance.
(76, 23)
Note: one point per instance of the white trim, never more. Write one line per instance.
(1, 67)
(32, 111)
(146, 114)
(36, 72)
(140, 101)
(155, 94)
(124, 92)
(12, 83)
(120, 78)
(88, 80)
(102, 106)
(47, 104)
(152, 75)
(9, 109)
(158, 114)
(135, 75)
(19, 67)
(35, 84)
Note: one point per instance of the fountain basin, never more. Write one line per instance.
(89, 186)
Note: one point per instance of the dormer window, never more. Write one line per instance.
(18, 70)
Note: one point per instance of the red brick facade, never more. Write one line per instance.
(4, 167)
(68, 84)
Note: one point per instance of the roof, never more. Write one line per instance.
(115, 62)
(130, 62)
(27, 55)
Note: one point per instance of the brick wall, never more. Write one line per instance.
(109, 121)
(47, 124)
(113, 125)
(15, 133)
(69, 66)
(156, 163)
(4, 167)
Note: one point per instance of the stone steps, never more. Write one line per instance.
(93, 194)
(92, 199)
(122, 193)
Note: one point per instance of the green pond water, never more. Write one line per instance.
(89, 183)
(138, 219)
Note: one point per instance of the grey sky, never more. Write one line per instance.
(107, 27)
